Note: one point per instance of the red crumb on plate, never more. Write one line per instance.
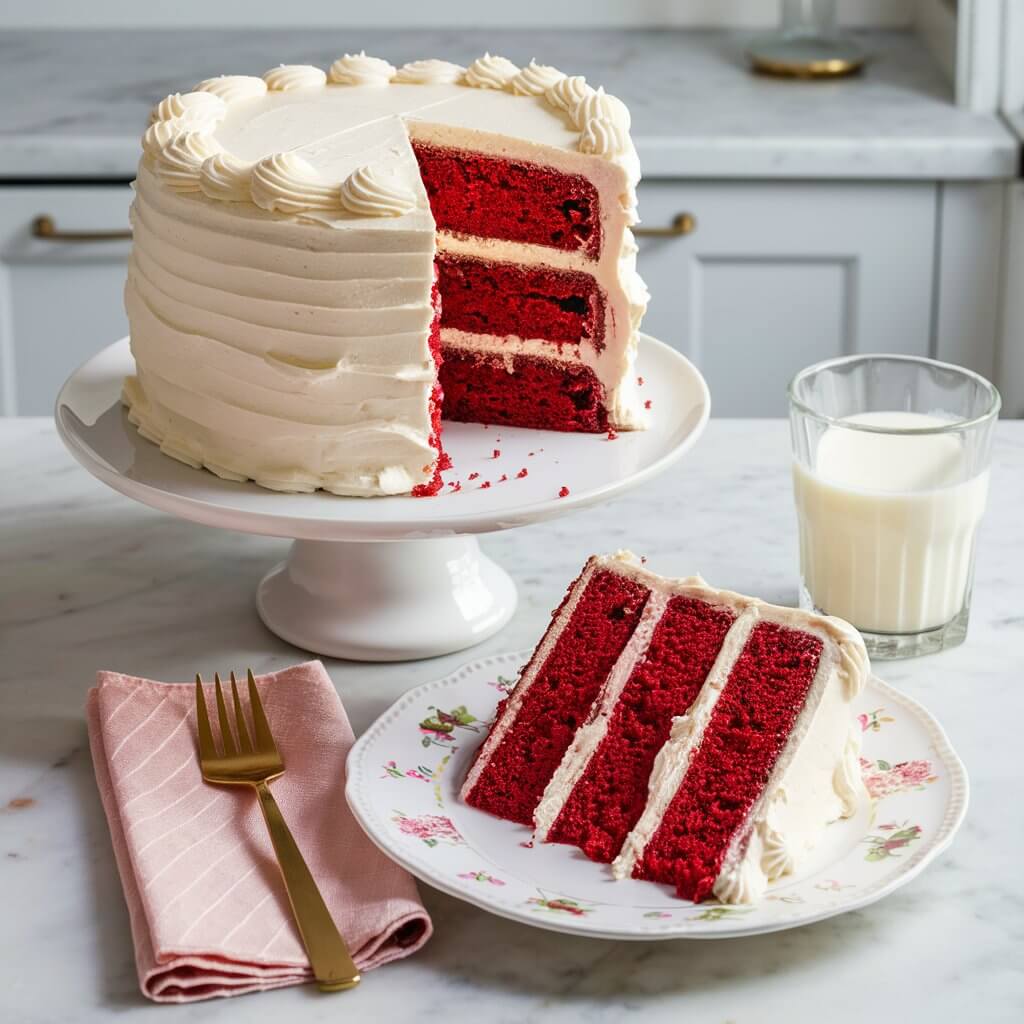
(502, 478)
(485, 485)
(647, 404)
(522, 473)
(473, 476)
(611, 435)
(563, 492)
(496, 454)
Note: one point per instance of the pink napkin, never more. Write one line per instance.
(208, 908)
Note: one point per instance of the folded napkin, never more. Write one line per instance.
(209, 912)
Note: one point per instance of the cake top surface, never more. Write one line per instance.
(334, 146)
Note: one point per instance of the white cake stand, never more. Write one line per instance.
(388, 579)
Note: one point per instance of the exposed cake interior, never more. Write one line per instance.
(560, 696)
(610, 796)
(748, 730)
(693, 737)
(473, 193)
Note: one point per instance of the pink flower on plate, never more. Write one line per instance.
(431, 828)
(883, 779)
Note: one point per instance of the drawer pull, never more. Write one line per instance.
(46, 228)
(682, 224)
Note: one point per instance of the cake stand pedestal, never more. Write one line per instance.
(410, 599)
(390, 579)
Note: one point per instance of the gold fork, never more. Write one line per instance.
(256, 762)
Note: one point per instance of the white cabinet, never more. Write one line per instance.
(778, 275)
(60, 300)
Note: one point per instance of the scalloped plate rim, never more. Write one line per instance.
(954, 813)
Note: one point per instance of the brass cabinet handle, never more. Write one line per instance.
(682, 224)
(44, 226)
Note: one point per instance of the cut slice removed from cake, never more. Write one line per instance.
(686, 735)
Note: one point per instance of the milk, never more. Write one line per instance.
(887, 524)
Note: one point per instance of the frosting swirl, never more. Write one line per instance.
(777, 858)
(290, 77)
(597, 103)
(286, 183)
(227, 178)
(489, 72)
(179, 162)
(567, 92)
(535, 79)
(200, 110)
(429, 72)
(365, 193)
(159, 134)
(358, 69)
(231, 88)
(601, 136)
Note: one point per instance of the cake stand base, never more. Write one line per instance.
(386, 601)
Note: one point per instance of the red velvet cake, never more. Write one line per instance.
(682, 734)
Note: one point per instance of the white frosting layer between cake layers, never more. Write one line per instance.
(270, 347)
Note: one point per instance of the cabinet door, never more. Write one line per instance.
(60, 299)
(779, 275)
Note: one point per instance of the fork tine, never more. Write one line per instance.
(243, 733)
(222, 716)
(206, 747)
(264, 737)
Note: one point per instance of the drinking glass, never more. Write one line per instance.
(890, 472)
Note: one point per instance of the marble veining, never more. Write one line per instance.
(89, 580)
(83, 98)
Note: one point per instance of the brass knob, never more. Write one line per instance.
(682, 224)
(45, 227)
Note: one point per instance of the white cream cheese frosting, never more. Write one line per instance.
(284, 258)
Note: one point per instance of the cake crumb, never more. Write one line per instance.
(563, 492)
(640, 382)
(473, 476)
(502, 478)
(647, 404)
(485, 485)
(531, 454)
(522, 473)
(496, 453)
(611, 436)
(456, 486)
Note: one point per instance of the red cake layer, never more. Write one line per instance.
(610, 796)
(485, 297)
(436, 402)
(560, 697)
(474, 194)
(542, 393)
(746, 733)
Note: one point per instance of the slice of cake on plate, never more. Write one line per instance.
(682, 734)
(325, 262)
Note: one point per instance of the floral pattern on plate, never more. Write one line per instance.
(917, 785)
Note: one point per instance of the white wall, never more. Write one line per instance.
(414, 13)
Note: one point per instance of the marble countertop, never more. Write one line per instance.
(88, 580)
(83, 98)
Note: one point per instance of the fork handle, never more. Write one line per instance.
(328, 954)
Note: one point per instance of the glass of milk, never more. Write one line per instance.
(890, 469)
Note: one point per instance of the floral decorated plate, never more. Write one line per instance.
(404, 775)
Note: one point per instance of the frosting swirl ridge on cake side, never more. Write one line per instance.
(367, 194)
(286, 183)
